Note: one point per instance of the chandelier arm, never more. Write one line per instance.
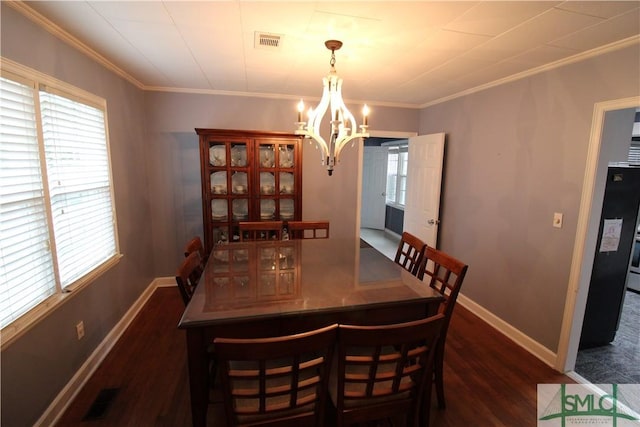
(321, 109)
(344, 143)
(348, 125)
(319, 140)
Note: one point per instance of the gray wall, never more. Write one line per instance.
(39, 364)
(515, 155)
(174, 172)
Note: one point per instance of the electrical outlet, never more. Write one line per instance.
(557, 220)
(80, 329)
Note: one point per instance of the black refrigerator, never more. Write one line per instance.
(616, 237)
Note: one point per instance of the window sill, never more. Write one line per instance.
(25, 322)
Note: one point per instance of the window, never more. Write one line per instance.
(57, 216)
(397, 161)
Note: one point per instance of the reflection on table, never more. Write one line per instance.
(257, 289)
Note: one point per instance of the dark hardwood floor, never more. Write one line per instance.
(489, 380)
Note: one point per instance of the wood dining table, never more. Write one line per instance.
(271, 288)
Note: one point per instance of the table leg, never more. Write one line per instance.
(198, 376)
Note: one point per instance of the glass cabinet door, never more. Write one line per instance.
(267, 156)
(247, 176)
(286, 156)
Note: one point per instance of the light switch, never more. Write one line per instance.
(557, 220)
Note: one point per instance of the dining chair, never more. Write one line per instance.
(195, 245)
(188, 275)
(385, 371)
(445, 274)
(260, 230)
(308, 229)
(187, 279)
(277, 381)
(410, 252)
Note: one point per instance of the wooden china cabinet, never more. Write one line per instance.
(248, 176)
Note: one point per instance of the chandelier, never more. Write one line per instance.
(343, 124)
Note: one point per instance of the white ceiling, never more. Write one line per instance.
(395, 53)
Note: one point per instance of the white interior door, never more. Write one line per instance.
(374, 185)
(424, 181)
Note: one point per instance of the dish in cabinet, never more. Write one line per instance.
(218, 155)
(267, 157)
(267, 208)
(286, 183)
(239, 183)
(286, 157)
(239, 155)
(219, 209)
(267, 183)
(219, 182)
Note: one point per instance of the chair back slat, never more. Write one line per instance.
(443, 273)
(410, 252)
(276, 381)
(385, 370)
(308, 229)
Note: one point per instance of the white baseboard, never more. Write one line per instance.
(524, 341)
(60, 404)
(165, 282)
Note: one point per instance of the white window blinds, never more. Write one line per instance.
(26, 268)
(57, 218)
(79, 184)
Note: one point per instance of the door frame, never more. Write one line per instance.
(585, 239)
(376, 134)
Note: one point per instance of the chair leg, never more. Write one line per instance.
(213, 371)
(438, 371)
(424, 412)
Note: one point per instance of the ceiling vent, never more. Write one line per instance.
(267, 41)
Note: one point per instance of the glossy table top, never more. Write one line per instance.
(250, 280)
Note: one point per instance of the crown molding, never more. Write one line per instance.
(63, 35)
(57, 31)
(552, 65)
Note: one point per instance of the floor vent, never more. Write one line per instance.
(101, 404)
(267, 41)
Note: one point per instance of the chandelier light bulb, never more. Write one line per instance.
(300, 110)
(365, 115)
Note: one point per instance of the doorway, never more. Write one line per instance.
(587, 230)
(381, 224)
(383, 240)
